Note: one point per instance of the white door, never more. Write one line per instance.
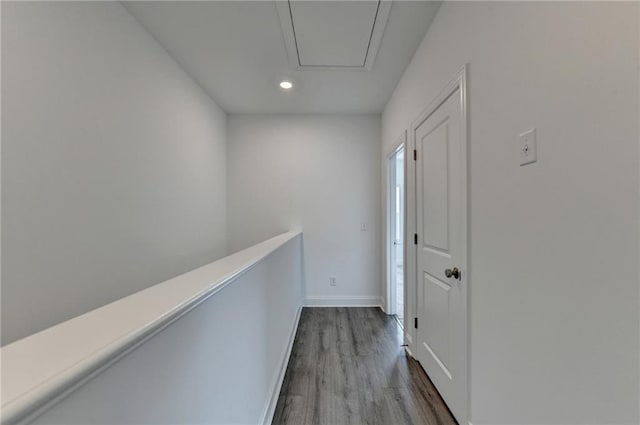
(440, 143)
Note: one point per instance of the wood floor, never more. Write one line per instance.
(348, 367)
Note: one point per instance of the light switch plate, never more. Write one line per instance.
(528, 148)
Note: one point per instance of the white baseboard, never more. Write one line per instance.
(337, 301)
(408, 350)
(270, 408)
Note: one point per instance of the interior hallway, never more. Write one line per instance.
(181, 178)
(348, 366)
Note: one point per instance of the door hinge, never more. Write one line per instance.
(415, 238)
(415, 322)
(415, 155)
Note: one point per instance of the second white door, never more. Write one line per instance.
(441, 251)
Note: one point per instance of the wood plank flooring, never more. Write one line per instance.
(347, 367)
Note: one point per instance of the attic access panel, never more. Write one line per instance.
(333, 34)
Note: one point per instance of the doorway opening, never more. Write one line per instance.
(396, 217)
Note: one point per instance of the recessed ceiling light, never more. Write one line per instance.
(286, 85)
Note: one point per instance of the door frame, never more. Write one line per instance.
(459, 82)
(401, 143)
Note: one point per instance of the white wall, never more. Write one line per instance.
(113, 163)
(318, 173)
(554, 245)
(218, 364)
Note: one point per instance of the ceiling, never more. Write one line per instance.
(342, 56)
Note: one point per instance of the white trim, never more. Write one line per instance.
(337, 301)
(408, 338)
(408, 350)
(63, 369)
(638, 182)
(272, 401)
(411, 303)
(288, 33)
(459, 82)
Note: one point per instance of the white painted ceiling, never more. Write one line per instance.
(236, 51)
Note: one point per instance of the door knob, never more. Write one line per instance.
(454, 272)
